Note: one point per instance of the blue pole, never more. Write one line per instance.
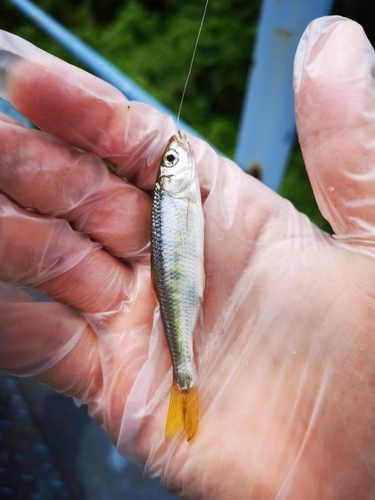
(267, 128)
(94, 61)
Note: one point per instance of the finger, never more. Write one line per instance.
(48, 342)
(41, 172)
(36, 336)
(92, 114)
(47, 255)
(335, 113)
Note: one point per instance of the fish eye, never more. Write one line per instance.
(170, 158)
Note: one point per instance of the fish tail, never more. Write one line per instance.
(183, 412)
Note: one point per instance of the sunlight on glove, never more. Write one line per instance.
(285, 348)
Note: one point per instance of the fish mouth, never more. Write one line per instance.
(183, 142)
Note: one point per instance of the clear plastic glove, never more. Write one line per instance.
(285, 355)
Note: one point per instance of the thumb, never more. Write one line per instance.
(335, 115)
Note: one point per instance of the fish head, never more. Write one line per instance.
(177, 169)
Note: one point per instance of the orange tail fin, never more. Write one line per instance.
(183, 412)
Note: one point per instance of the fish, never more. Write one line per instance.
(177, 269)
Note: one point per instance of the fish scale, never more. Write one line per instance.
(172, 266)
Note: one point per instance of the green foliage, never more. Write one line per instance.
(152, 42)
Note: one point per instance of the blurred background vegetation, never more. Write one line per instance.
(152, 42)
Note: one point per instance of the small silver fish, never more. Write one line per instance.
(177, 228)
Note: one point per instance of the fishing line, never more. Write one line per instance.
(191, 63)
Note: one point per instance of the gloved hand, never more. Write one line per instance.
(285, 353)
